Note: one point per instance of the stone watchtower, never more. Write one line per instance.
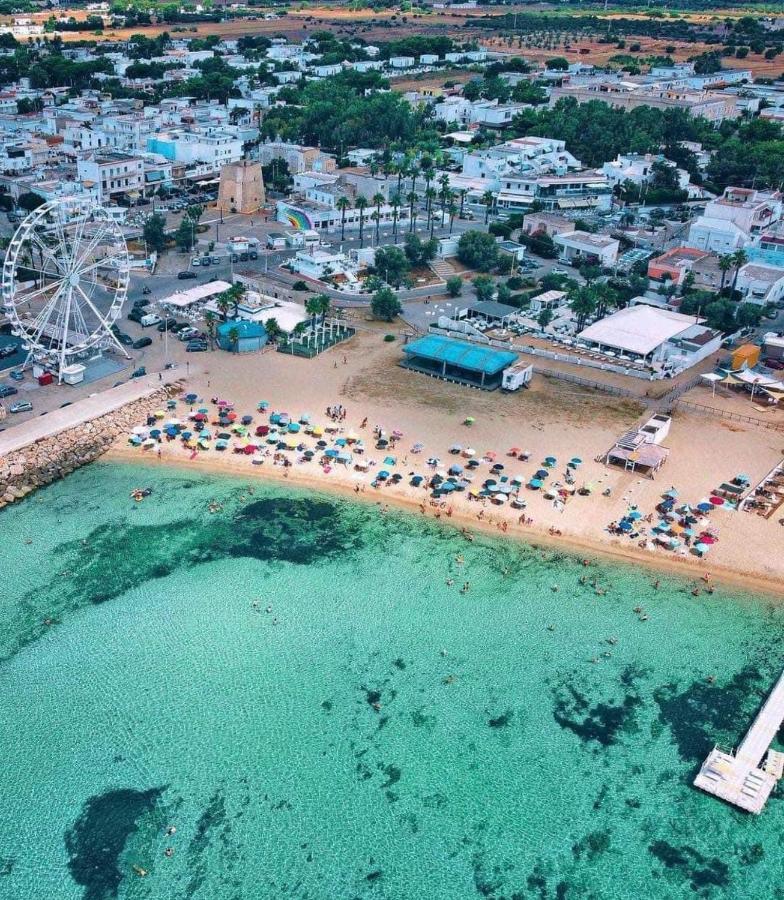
(241, 188)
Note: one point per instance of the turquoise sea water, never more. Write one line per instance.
(378, 734)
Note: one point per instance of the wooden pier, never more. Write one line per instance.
(739, 778)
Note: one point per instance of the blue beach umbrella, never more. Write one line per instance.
(455, 470)
(417, 480)
(331, 454)
(447, 486)
(383, 475)
(704, 507)
(575, 461)
(535, 483)
(625, 525)
(541, 474)
(672, 494)
(634, 515)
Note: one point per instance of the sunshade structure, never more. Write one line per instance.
(455, 360)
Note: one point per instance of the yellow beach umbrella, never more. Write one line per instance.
(317, 431)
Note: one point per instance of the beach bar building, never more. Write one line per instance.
(458, 361)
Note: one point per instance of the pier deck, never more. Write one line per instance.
(739, 778)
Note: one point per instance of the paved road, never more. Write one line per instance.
(91, 407)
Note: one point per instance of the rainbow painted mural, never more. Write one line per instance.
(296, 218)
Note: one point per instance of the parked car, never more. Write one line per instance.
(139, 373)
(141, 342)
(146, 290)
(774, 363)
(124, 338)
(17, 375)
(22, 406)
(195, 346)
(188, 334)
(8, 390)
(185, 274)
(149, 320)
(136, 314)
(167, 324)
(8, 350)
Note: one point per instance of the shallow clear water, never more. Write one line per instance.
(500, 761)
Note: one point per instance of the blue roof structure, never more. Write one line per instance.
(244, 328)
(471, 357)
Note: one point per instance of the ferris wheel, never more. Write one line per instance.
(64, 282)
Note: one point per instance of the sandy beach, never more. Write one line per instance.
(550, 419)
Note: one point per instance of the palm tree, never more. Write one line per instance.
(413, 172)
(739, 259)
(223, 303)
(583, 304)
(361, 204)
(452, 214)
(343, 203)
(211, 321)
(462, 192)
(272, 328)
(234, 338)
(725, 264)
(487, 199)
(318, 305)
(396, 201)
(378, 199)
(236, 294)
(430, 196)
(412, 198)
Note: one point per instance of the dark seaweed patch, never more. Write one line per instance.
(593, 845)
(393, 773)
(97, 839)
(300, 531)
(501, 721)
(704, 714)
(701, 872)
(213, 819)
(601, 722)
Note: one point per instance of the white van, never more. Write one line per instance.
(150, 319)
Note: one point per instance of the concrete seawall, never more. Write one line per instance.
(88, 432)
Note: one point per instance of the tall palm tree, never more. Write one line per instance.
(396, 201)
(211, 321)
(452, 214)
(725, 264)
(224, 304)
(318, 305)
(413, 172)
(487, 199)
(361, 204)
(412, 198)
(739, 259)
(234, 338)
(378, 199)
(583, 304)
(462, 192)
(430, 196)
(343, 203)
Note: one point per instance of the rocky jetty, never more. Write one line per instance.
(48, 459)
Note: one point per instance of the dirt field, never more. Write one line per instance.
(385, 25)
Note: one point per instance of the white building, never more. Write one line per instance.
(638, 168)
(580, 246)
(212, 149)
(655, 335)
(760, 284)
(113, 174)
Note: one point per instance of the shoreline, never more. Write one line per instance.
(686, 568)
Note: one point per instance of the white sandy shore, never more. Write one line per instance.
(550, 419)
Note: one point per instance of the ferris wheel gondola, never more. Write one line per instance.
(64, 282)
